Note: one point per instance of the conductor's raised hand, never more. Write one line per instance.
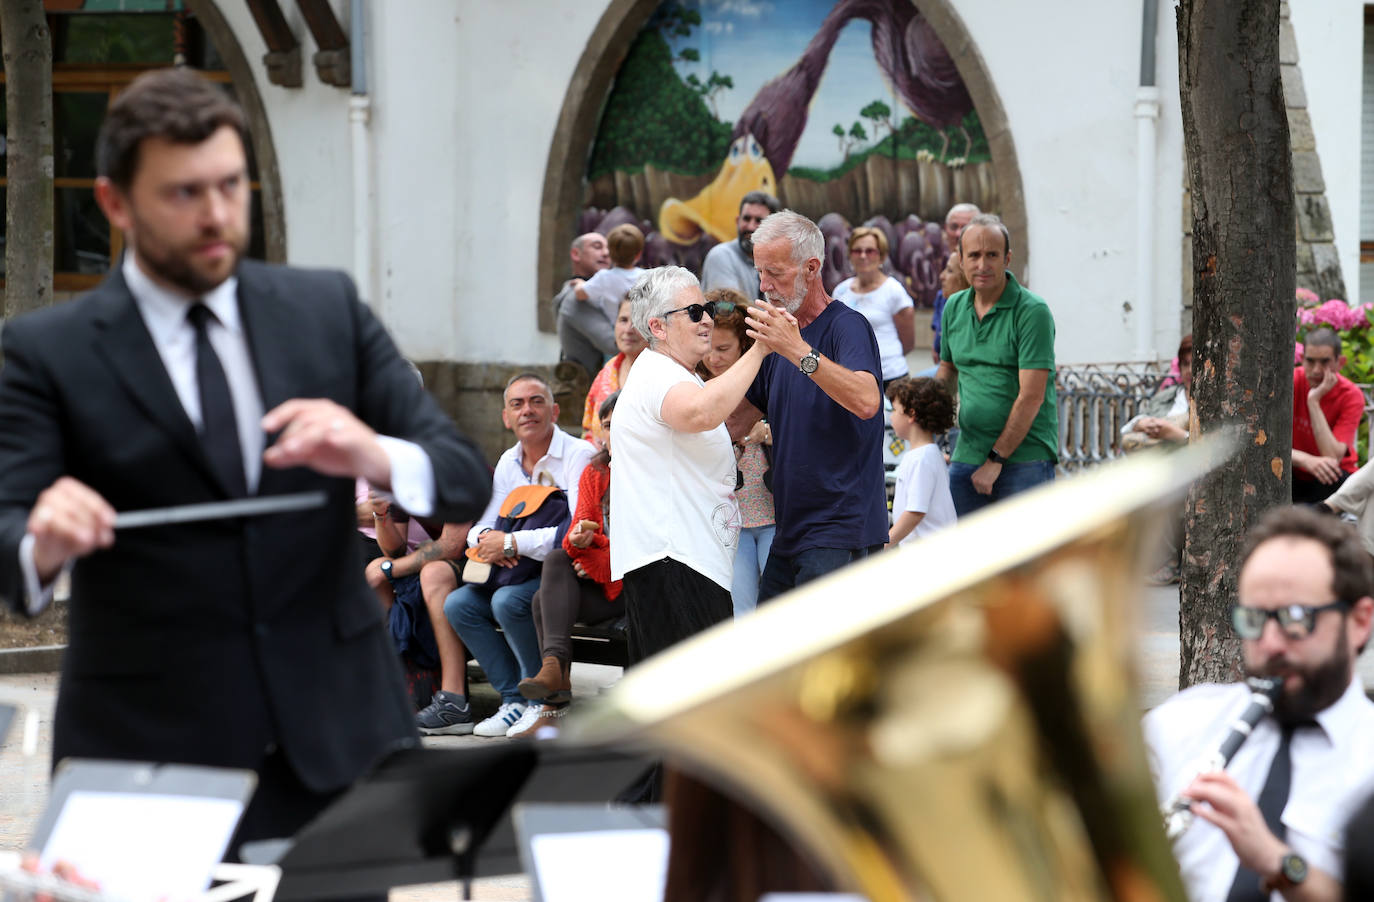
(69, 520)
(326, 437)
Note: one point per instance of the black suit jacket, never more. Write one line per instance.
(208, 643)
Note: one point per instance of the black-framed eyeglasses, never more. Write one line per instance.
(1295, 620)
(695, 311)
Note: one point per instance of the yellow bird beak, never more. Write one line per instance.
(716, 208)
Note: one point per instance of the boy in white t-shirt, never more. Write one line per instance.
(921, 410)
(606, 289)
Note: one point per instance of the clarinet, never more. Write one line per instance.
(1178, 813)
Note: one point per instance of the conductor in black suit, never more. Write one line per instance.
(191, 375)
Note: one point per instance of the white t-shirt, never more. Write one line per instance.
(923, 487)
(879, 306)
(672, 493)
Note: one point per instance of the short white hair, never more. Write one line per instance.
(800, 233)
(970, 209)
(655, 293)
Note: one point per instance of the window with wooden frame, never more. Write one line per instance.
(96, 54)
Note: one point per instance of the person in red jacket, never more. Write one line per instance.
(1326, 415)
(575, 585)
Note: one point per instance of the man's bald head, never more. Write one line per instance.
(589, 254)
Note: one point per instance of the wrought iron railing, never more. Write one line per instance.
(1095, 401)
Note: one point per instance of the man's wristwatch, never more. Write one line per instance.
(1292, 871)
(994, 457)
(508, 546)
(810, 362)
(386, 571)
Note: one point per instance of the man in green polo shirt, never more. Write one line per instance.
(998, 342)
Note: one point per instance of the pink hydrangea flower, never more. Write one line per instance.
(1297, 355)
(1307, 297)
(1339, 315)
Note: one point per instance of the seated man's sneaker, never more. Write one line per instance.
(446, 715)
(536, 721)
(500, 723)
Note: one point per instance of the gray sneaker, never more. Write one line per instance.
(444, 716)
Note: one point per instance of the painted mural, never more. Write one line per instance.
(851, 112)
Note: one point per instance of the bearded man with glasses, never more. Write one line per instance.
(1274, 820)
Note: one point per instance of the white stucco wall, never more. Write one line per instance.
(465, 99)
(1330, 36)
(1071, 115)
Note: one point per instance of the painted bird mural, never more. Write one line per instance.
(912, 59)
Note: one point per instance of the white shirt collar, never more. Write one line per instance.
(556, 448)
(1339, 719)
(165, 310)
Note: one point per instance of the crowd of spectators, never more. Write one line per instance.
(746, 418)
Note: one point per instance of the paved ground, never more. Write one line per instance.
(23, 777)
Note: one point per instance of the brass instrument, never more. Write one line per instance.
(956, 719)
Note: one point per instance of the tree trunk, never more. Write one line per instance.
(1235, 131)
(27, 49)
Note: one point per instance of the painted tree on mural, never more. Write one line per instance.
(653, 115)
(1240, 168)
(27, 48)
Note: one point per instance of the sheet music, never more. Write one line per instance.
(602, 865)
(143, 846)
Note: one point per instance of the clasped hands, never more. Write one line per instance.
(491, 549)
(70, 520)
(776, 329)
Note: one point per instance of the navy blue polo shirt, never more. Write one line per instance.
(828, 489)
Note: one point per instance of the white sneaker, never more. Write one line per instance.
(500, 722)
(526, 721)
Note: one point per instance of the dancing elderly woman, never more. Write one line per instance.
(673, 481)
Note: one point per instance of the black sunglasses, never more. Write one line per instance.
(694, 311)
(1295, 620)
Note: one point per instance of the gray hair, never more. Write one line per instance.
(991, 221)
(654, 294)
(799, 232)
(961, 208)
(527, 377)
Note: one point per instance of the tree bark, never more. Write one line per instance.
(27, 49)
(1235, 132)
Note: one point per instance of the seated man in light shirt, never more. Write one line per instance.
(543, 455)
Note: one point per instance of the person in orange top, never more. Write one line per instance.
(575, 585)
(612, 376)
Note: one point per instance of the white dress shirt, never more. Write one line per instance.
(164, 315)
(1333, 772)
(561, 465)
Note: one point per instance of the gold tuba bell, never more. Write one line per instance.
(954, 720)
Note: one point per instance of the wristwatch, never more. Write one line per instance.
(995, 457)
(386, 571)
(810, 362)
(1292, 871)
(508, 546)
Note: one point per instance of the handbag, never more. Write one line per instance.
(526, 507)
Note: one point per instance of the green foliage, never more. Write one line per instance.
(880, 113)
(912, 139)
(710, 88)
(690, 55)
(653, 116)
(675, 20)
(857, 132)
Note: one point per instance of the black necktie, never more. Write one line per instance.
(1272, 799)
(219, 431)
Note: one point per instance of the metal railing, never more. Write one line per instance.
(1095, 401)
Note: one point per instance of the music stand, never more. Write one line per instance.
(419, 817)
(576, 774)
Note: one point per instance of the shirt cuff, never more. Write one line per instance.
(36, 595)
(412, 475)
